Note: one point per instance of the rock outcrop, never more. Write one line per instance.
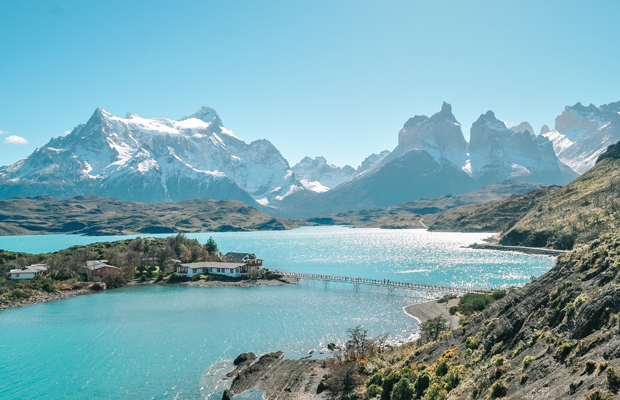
(280, 379)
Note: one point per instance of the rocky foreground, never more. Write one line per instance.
(280, 379)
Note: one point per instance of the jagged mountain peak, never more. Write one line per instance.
(488, 120)
(544, 129)
(206, 114)
(445, 114)
(523, 127)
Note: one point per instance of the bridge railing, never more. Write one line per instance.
(405, 285)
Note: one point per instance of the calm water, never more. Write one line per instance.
(166, 342)
(411, 255)
(158, 342)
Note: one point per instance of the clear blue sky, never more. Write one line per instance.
(332, 78)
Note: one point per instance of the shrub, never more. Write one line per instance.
(564, 349)
(527, 360)
(422, 383)
(569, 312)
(374, 390)
(523, 379)
(19, 294)
(388, 385)
(499, 361)
(195, 278)
(613, 377)
(471, 343)
(499, 294)
(453, 378)
(446, 298)
(601, 367)
(435, 392)
(498, 389)
(442, 368)
(402, 390)
(590, 366)
(598, 394)
(376, 379)
(453, 310)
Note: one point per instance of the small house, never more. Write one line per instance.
(189, 270)
(247, 258)
(29, 272)
(96, 270)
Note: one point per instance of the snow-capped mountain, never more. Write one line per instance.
(434, 159)
(320, 176)
(440, 135)
(582, 133)
(154, 160)
(497, 153)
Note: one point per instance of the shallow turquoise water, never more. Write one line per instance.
(165, 342)
(158, 341)
(410, 255)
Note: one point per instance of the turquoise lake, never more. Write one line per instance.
(173, 342)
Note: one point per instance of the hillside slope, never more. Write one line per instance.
(93, 215)
(490, 216)
(556, 338)
(576, 213)
(418, 213)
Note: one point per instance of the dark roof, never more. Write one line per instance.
(238, 257)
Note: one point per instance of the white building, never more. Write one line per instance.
(234, 270)
(29, 272)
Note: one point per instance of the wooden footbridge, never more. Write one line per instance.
(390, 285)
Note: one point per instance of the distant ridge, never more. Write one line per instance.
(95, 216)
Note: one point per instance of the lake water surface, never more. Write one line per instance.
(166, 342)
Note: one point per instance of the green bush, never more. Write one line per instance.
(453, 310)
(590, 366)
(435, 392)
(19, 294)
(471, 343)
(564, 349)
(374, 390)
(422, 383)
(453, 378)
(498, 389)
(442, 368)
(569, 312)
(527, 360)
(523, 379)
(388, 385)
(499, 361)
(376, 379)
(499, 294)
(613, 377)
(402, 390)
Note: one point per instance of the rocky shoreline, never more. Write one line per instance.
(520, 249)
(278, 378)
(44, 297)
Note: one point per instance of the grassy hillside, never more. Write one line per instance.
(93, 215)
(574, 214)
(491, 216)
(556, 338)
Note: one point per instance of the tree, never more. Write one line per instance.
(211, 246)
(431, 329)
